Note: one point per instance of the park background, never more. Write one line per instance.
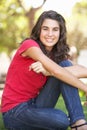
(17, 17)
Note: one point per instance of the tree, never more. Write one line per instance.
(78, 27)
(80, 8)
(30, 13)
(15, 23)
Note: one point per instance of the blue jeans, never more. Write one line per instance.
(40, 113)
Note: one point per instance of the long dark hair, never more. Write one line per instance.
(61, 48)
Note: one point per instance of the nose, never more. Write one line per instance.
(50, 33)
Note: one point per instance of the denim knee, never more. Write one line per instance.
(65, 63)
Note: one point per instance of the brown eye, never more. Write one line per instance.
(56, 29)
(44, 28)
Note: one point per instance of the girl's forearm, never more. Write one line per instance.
(56, 70)
(72, 80)
(78, 70)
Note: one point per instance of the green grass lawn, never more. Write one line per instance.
(59, 105)
(1, 123)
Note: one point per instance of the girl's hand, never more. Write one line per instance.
(38, 68)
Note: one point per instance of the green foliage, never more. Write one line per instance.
(77, 26)
(13, 25)
(80, 16)
(81, 8)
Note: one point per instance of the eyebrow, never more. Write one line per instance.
(48, 27)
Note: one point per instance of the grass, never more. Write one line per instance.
(59, 105)
(1, 123)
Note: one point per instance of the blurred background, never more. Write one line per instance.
(17, 17)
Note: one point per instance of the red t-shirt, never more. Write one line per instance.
(21, 84)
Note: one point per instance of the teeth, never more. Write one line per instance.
(49, 40)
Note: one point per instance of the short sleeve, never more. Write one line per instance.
(27, 44)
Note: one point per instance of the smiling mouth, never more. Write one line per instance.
(49, 40)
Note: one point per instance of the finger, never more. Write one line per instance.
(37, 70)
(36, 64)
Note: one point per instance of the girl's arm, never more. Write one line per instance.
(54, 69)
(78, 70)
(38, 68)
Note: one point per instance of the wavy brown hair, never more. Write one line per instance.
(61, 49)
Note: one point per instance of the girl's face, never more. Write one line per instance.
(50, 32)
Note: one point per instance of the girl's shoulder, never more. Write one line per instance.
(29, 42)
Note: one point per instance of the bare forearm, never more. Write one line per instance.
(67, 77)
(63, 74)
(56, 70)
(78, 70)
